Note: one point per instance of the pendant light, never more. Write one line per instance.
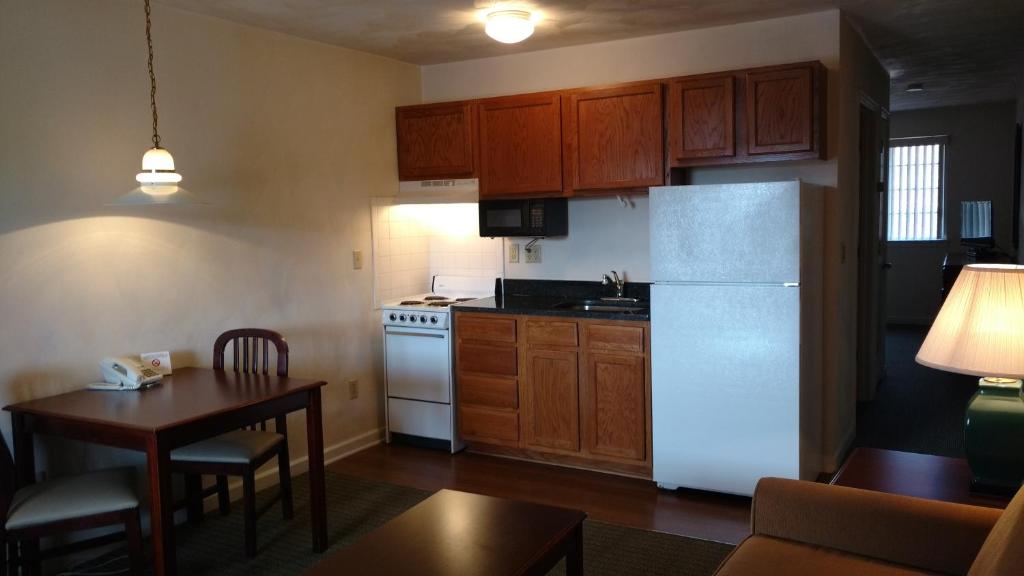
(158, 182)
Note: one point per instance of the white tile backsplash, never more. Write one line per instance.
(412, 243)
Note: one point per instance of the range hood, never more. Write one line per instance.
(438, 191)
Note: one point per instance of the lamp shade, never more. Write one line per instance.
(980, 328)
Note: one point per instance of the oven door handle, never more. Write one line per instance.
(427, 334)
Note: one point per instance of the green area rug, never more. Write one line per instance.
(356, 506)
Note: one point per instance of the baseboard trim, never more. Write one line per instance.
(269, 477)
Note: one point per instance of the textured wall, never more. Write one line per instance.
(979, 166)
(287, 139)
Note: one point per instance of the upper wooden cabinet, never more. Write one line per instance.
(521, 146)
(780, 111)
(613, 138)
(436, 141)
(593, 141)
(701, 118)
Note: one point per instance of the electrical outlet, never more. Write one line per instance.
(353, 389)
(357, 259)
(513, 253)
(533, 255)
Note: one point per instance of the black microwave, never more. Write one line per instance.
(534, 217)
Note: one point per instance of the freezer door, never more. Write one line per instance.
(725, 378)
(726, 233)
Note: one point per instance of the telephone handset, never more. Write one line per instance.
(126, 374)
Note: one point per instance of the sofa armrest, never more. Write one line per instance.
(926, 534)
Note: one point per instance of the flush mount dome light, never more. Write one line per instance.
(509, 26)
(915, 87)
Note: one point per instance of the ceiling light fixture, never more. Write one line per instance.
(158, 182)
(509, 26)
(915, 87)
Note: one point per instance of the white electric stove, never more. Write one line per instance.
(418, 358)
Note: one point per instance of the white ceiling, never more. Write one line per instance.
(962, 50)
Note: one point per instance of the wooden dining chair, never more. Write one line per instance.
(240, 452)
(62, 505)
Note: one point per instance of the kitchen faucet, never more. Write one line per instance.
(620, 284)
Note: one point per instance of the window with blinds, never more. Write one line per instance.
(916, 188)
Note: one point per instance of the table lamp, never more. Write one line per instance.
(980, 331)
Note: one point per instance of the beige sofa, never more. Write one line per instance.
(803, 528)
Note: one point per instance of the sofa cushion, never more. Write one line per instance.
(1002, 554)
(763, 555)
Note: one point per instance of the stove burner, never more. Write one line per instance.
(440, 304)
(428, 298)
(410, 303)
(464, 299)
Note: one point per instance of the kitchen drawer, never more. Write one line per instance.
(489, 425)
(425, 419)
(615, 337)
(487, 359)
(486, 328)
(551, 333)
(489, 392)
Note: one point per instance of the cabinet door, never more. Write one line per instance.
(701, 119)
(521, 146)
(436, 141)
(614, 406)
(550, 406)
(614, 138)
(780, 110)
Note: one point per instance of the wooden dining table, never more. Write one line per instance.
(190, 405)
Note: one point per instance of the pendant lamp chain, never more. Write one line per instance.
(152, 76)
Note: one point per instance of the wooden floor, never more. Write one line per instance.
(603, 497)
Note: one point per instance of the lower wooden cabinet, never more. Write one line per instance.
(551, 409)
(579, 395)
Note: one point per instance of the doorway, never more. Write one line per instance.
(872, 248)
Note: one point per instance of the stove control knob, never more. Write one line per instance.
(402, 317)
(412, 318)
(393, 317)
(433, 319)
(423, 319)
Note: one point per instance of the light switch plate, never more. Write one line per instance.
(357, 259)
(513, 253)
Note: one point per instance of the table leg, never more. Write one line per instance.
(161, 508)
(317, 496)
(24, 450)
(574, 553)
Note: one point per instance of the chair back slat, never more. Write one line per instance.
(246, 345)
(8, 479)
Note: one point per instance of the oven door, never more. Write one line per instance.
(418, 363)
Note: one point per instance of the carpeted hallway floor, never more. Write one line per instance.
(916, 409)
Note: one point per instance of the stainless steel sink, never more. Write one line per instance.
(602, 305)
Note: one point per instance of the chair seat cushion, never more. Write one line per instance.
(235, 447)
(72, 497)
(763, 555)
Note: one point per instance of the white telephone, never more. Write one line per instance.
(125, 374)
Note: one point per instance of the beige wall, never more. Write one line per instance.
(979, 166)
(286, 139)
(605, 235)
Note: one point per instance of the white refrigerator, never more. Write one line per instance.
(736, 329)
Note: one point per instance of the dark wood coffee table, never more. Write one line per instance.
(910, 474)
(464, 534)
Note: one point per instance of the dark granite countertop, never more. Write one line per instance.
(540, 298)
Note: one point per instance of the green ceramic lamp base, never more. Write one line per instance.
(994, 436)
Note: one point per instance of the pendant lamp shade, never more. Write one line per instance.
(980, 328)
(158, 181)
